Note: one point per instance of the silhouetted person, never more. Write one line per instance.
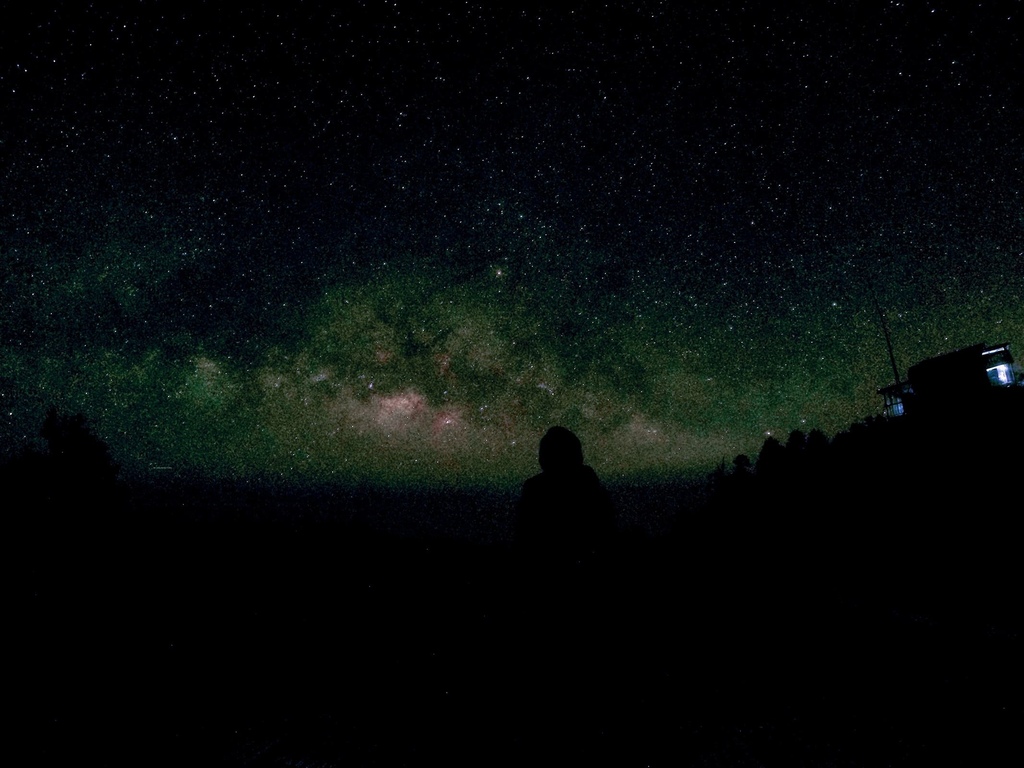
(564, 514)
(563, 611)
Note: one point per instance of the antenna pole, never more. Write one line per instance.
(885, 330)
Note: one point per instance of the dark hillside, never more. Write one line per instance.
(797, 619)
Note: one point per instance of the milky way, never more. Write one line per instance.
(397, 243)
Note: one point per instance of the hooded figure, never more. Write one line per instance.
(563, 513)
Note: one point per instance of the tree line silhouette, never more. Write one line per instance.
(267, 642)
(891, 473)
(936, 496)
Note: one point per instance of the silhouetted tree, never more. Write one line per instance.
(817, 442)
(742, 465)
(796, 442)
(771, 459)
(76, 451)
(732, 491)
(73, 480)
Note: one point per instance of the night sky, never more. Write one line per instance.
(395, 241)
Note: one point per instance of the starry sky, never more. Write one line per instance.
(395, 241)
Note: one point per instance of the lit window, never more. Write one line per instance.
(1000, 375)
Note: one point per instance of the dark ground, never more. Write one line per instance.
(226, 643)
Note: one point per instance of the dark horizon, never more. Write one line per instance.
(806, 609)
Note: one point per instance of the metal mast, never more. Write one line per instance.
(888, 338)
